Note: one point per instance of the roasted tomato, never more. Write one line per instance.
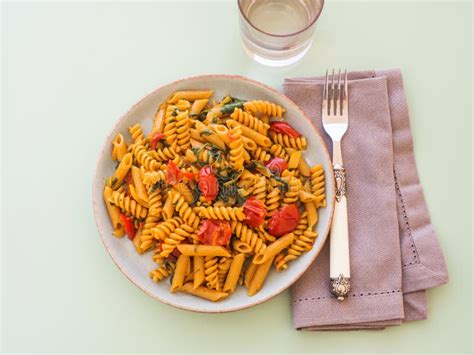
(214, 232)
(173, 174)
(155, 139)
(284, 128)
(128, 226)
(208, 183)
(254, 211)
(277, 165)
(284, 220)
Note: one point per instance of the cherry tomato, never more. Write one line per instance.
(155, 139)
(277, 165)
(208, 183)
(172, 173)
(285, 128)
(254, 211)
(214, 232)
(128, 225)
(284, 220)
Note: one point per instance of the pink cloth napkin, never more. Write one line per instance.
(395, 254)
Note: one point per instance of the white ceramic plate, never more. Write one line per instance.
(137, 267)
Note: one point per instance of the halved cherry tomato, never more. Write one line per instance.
(214, 232)
(285, 128)
(277, 165)
(254, 211)
(175, 175)
(172, 173)
(155, 139)
(208, 183)
(284, 220)
(128, 225)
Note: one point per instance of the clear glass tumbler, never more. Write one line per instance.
(278, 32)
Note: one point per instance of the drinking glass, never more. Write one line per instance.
(278, 32)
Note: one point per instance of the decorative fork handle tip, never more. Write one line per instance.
(340, 176)
(340, 287)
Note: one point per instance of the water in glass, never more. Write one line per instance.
(278, 32)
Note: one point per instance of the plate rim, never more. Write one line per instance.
(102, 233)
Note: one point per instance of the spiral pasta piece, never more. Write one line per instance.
(154, 203)
(170, 129)
(248, 120)
(162, 272)
(223, 213)
(264, 235)
(272, 201)
(302, 243)
(137, 134)
(278, 151)
(183, 209)
(318, 185)
(144, 158)
(183, 126)
(164, 154)
(264, 107)
(249, 236)
(128, 205)
(294, 188)
(211, 272)
(146, 239)
(174, 238)
(236, 146)
(261, 155)
(164, 229)
(151, 178)
(286, 141)
(260, 190)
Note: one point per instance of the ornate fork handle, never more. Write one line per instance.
(339, 242)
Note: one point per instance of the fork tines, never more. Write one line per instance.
(335, 97)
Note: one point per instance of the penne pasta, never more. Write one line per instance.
(259, 277)
(182, 265)
(122, 171)
(249, 273)
(312, 212)
(258, 138)
(234, 273)
(114, 214)
(198, 106)
(274, 249)
(209, 135)
(189, 96)
(202, 250)
(203, 292)
(119, 148)
(198, 266)
(140, 189)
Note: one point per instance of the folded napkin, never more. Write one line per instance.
(395, 254)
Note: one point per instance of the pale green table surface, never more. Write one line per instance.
(71, 69)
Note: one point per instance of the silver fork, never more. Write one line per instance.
(335, 123)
